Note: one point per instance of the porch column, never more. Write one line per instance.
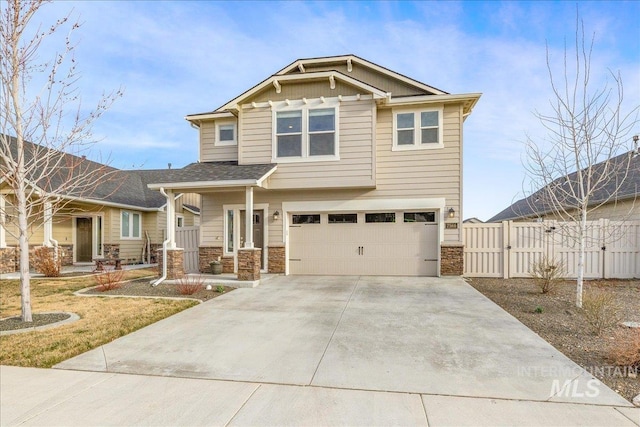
(171, 220)
(249, 257)
(48, 224)
(3, 238)
(248, 220)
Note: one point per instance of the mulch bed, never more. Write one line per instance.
(142, 287)
(16, 323)
(563, 325)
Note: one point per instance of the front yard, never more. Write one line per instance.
(102, 319)
(555, 318)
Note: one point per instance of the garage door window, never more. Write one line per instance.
(419, 217)
(306, 219)
(343, 218)
(380, 217)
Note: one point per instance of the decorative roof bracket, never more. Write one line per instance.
(276, 84)
(301, 68)
(349, 65)
(332, 82)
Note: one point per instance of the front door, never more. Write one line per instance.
(258, 231)
(84, 241)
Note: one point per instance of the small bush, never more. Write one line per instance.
(220, 289)
(547, 273)
(189, 285)
(45, 262)
(600, 310)
(539, 310)
(626, 347)
(109, 279)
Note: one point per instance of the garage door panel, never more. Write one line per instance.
(364, 249)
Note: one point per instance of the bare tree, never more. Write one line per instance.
(585, 160)
(44, 129)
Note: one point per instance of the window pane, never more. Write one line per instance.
(289, 122)
(321, 120)
(430, 136)
(429, 118)
(343, 218)
(289, 146)
(321, 144)
(125, 224)
(405, 137)
(229, 231)
(227, 132)
(420, 217)
(136, 225)
(405, 121)
(306, 219)
(380, 217)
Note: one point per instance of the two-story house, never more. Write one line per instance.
(344, 167)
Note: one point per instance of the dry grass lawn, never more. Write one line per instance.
(102, 319)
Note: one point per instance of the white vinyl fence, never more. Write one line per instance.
(509, 249)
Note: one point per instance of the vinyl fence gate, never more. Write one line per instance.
(510, 249)
(188, 238)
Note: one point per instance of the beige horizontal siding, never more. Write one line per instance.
(209, 152)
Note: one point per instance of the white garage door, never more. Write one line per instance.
(392, 243)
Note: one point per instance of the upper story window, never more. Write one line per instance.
(415, 130)
(130, 225)
(306, 134)
(226, 133)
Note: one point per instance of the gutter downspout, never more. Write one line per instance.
(164, 251)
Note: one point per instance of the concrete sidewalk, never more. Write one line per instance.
(318, 351)
(52, 397)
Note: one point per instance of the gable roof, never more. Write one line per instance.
(296, 71)
(300, 64)
(535, 205)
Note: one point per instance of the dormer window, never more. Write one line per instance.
(226, 133)
(416, 130)
(306, 132)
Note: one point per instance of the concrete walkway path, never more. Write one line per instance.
(319, 351)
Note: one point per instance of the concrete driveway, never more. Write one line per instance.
(342, 350)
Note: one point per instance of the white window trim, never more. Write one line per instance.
(417, 144)
(178, 218)
(305, 106)
(131, 225)
(235, 133)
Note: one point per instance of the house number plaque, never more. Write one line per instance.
(450, 225)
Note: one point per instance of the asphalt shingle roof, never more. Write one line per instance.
(126, 187)
(535, 204)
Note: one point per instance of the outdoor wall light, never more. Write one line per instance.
(276, 215)
(452, 213)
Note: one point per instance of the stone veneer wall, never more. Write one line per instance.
(66, 252)
(212, 253)
(249, 264)
(276, 259)
(452, 259)
(175, 263)
(8, 260)
(111, 251)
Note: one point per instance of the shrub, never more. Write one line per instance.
(220, 289)
(189, 285)
(45, 262)
(539, 310)
(626, 347)
(109, 279)
(547, 273)
(600, 310)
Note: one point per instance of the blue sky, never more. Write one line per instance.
(178, 58)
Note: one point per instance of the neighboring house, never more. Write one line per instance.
(344, 167)
(623, 205)
(472, 220)
(113, 219)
